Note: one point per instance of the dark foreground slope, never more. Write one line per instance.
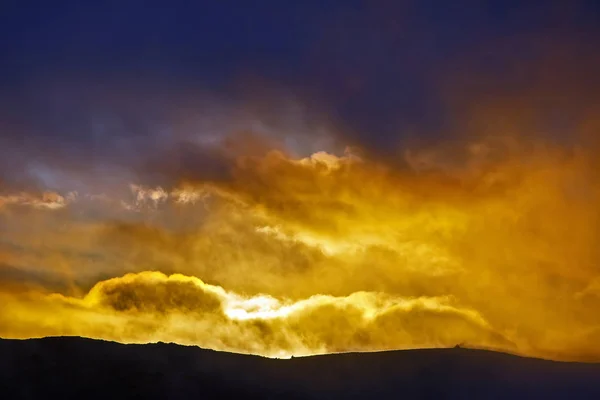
(75, 368)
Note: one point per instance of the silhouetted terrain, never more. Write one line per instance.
(76, 368)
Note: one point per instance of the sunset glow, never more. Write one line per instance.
(493, 245)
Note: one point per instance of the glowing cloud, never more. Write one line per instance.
(323, 254)
(153, 306)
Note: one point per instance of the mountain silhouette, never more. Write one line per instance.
(78, 368)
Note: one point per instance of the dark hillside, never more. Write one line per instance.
(69, 368)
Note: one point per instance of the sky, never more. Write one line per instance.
(293, 178)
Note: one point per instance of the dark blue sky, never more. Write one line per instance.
(377, 70)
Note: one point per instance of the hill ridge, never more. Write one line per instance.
(75, 367)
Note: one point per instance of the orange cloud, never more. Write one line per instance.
(492, 246)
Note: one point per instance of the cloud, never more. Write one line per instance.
(47, 200)
(159, 295)
(329, 253)
(483, 233)
(185, 309)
